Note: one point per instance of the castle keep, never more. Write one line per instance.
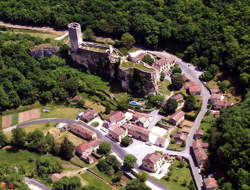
(107, 62)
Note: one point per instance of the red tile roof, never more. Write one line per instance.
(210, 183)
(199, 132)
(177, 116)
(194, 89)
(89, 114)
(177, 97)
(81, 129)
(115, 116)
(88, 145)
(153, 157)
(136, 128)
(189, 84)
(117, 130)
(139, 57)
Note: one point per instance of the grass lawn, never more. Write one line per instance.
(20, 157)
(143, 68)
(14, 120)
(212, 84)
(101, 174)
(73, 138)
(127, 64)
(177, 177)
(34, 33)
(93, 181)
(62, 112)
(78, 162)
(95, 106)
(176, 147)
(45, 127)
(163, 87)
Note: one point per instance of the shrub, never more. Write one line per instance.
(94, 124)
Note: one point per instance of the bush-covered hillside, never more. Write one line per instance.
(230, 146)
(24, 80)
(205, 32)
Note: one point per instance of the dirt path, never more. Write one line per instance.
(44, 29)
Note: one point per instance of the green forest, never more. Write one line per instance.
(230, 145)
(25, 80)
(204, 32)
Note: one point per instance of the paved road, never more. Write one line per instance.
(155, 185)
(36, 183)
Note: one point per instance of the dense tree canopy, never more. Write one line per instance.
(208, 32)
(25, 80)
(230, 144)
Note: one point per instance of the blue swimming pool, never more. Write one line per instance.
(134, 103)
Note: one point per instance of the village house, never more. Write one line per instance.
(215, 97)
(85, 149)
(141, 119)
(82, 131)
(210, 184)
(198, 134)
(180, 138)
(176, 118)
(178, 97)
(194, 90)
(161, 142)
(185, 130)
(137, 132)
(187, 85)
(88, 115)
(137, 56)
(117, 133)
(199, 153)
(116, 117)
(220, 104)
(186, 123)
(153, 162)
(164, 63)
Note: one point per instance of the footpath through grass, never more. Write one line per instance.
(94, 181)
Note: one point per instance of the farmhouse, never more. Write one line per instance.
(194, 90)
(186, 123)
(116, 117)
(137, 132)
(117, 133)
(82, 131)
(85, 149)
(176, 118)
(178, 97)
(161, 142)
(88, 115)
(199, 153)
(210, 184)
(152, 162)
(180, 138)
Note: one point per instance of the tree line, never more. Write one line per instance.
(207, 33)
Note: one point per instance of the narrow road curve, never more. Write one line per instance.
(35, 183)
(115, 146)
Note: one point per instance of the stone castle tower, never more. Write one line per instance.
(75, 35)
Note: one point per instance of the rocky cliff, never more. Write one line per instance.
(108, 67)
(44, 50)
